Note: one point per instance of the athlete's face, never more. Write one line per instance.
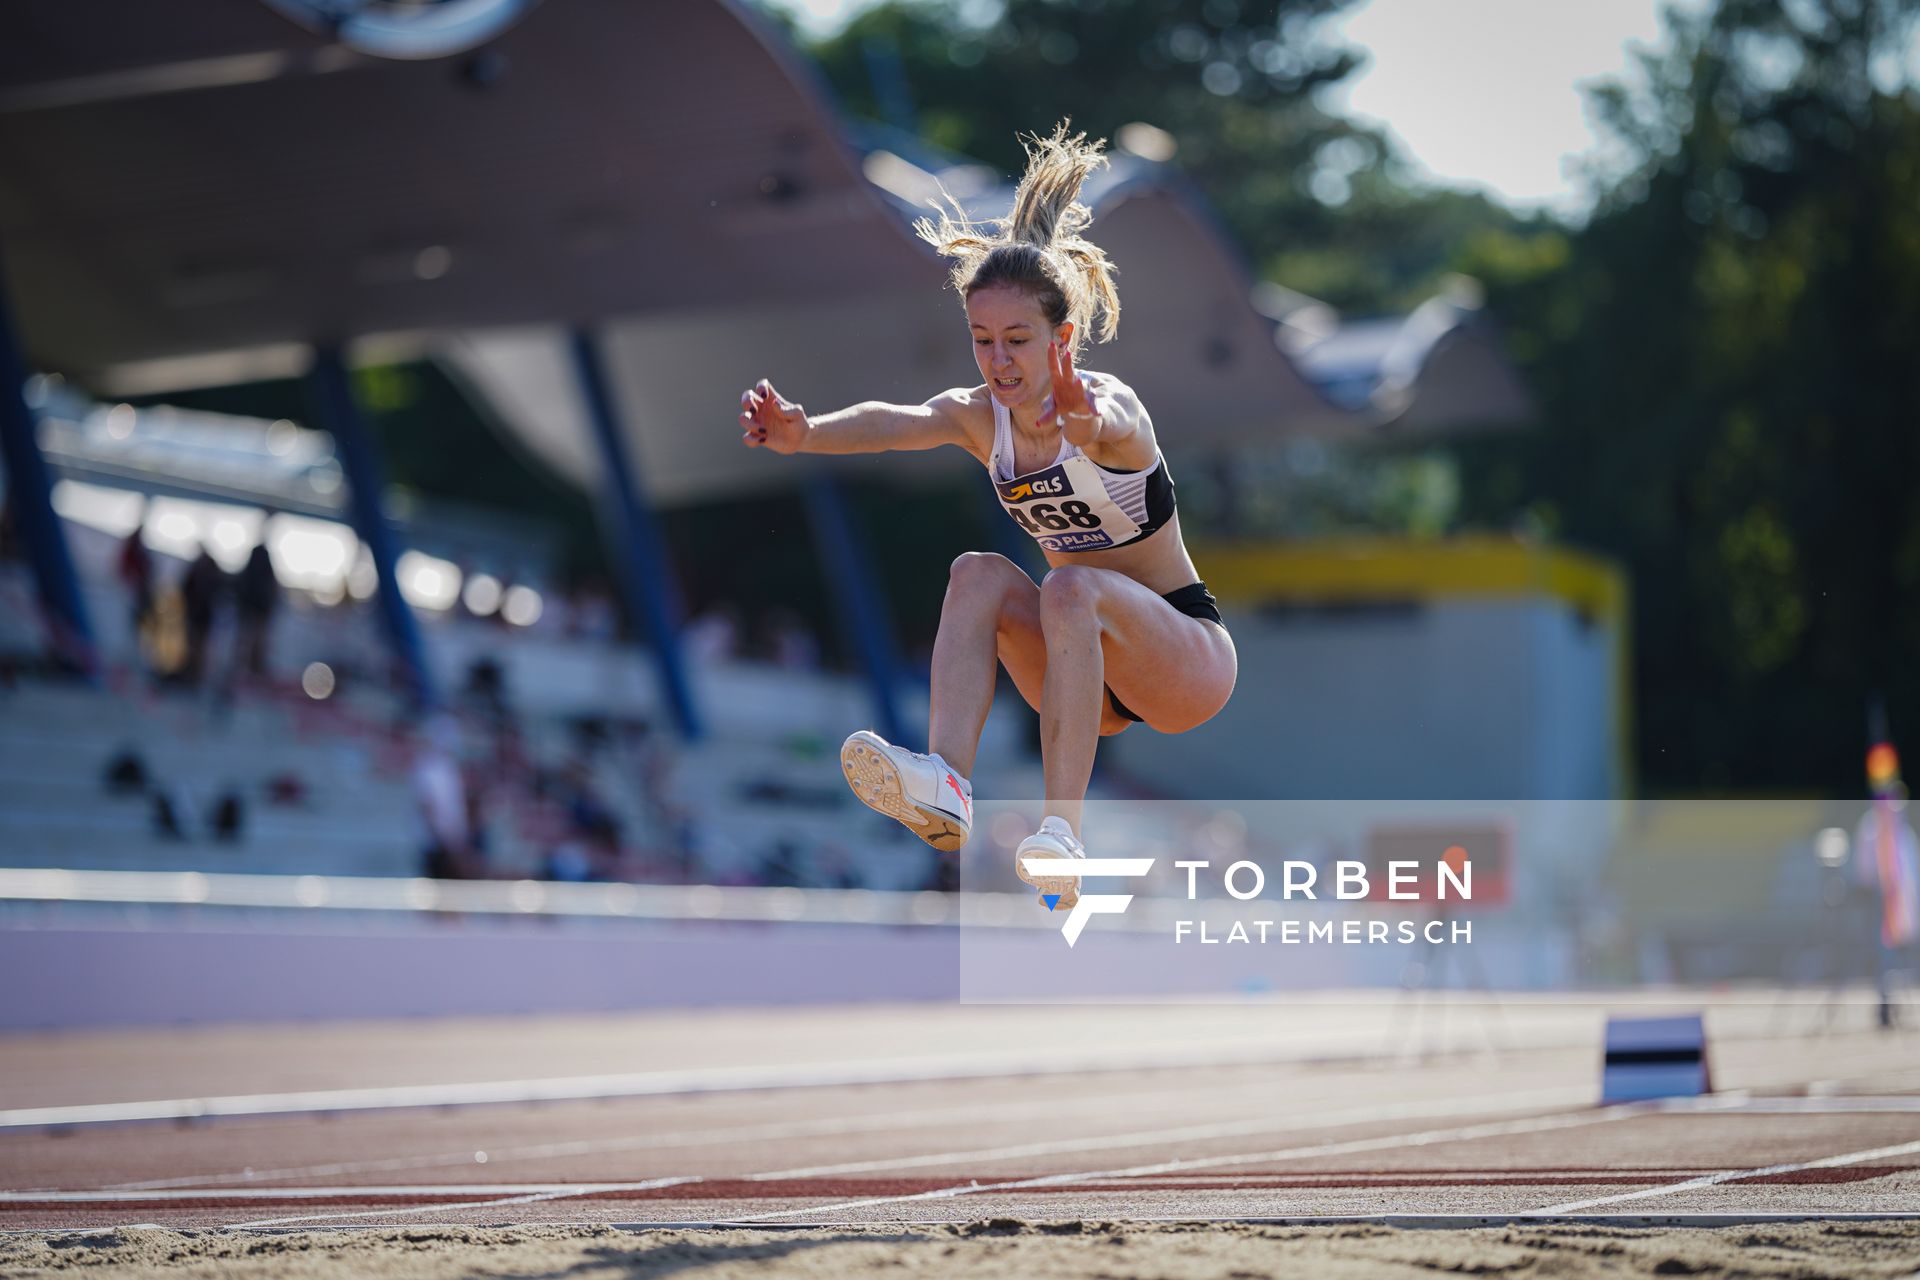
(1010, 336)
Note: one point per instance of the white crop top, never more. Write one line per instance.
(1075, 504)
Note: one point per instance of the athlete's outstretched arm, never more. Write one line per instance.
(767, 420)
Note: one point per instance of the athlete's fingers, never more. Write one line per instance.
(1065, 382)
(1067, 403)
(1068, 386)
(1059, 398)
(1083, 393)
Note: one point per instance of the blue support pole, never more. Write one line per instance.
(353, 443)
(633, 538)
(30, 500)
(862, 603)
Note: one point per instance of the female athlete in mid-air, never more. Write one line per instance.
(1122, 628)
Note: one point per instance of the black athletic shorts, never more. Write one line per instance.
(1195, 601)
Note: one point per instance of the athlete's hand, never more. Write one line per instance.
(770, 421)
(1071, 406)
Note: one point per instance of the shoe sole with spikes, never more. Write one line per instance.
(876, 781)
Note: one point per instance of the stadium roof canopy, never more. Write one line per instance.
(197, 193)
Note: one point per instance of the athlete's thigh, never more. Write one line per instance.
(1023, 652)
(1172, 670)
(1022, 645)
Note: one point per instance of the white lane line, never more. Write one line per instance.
(832, 1126)
(1832, 1104)
(1536, 1124)
(530, 1194)
(412, 1191)
(1059, 1146)
(565, 1193)
(1308, 1179)
(1736, 1175)
(1198, 1132)
(1235, 1052)
(1465, 1133)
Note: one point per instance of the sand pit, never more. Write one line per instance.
(992, 1249)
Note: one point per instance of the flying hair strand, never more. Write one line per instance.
(1040, 246)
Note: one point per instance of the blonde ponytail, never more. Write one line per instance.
(1038, 246)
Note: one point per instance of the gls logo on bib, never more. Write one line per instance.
(1050, 483)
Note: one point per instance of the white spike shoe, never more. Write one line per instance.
(1054, 839)
(923, 792)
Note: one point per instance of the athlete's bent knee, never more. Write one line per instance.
(1070, 589)
(981, 582)
(974, 570)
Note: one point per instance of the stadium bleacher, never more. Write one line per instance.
(761, 789)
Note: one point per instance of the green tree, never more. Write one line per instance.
(1725, 356)
(1317, 202)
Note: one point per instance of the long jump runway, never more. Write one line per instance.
(1275, 1111)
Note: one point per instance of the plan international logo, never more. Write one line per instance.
(1441, 883)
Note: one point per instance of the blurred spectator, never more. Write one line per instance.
(943, 874)
(126, 774)
(834, 868)
(478, 782)
(486, 691)
(286, 789)
(228, 818)
(688, 842)
(1885, 872)
(567, 861)
(588, 813)
(257, 595)
(591, 736)
(201, 590)
(135, 570)
(590, 845)
(440, 794)
(781, 866)
(712, 636)
(511, 761)
(792, 641)
(165, 813)
(590, 614)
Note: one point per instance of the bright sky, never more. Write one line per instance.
(1487, 93)
(1480, 93)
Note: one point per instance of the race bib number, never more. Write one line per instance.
(1067, 508)
(1045, 506)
